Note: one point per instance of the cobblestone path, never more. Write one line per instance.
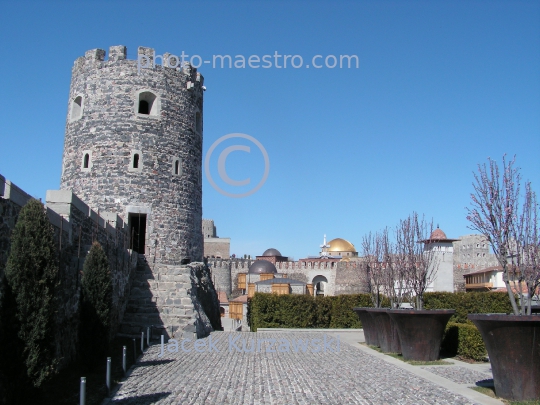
(223, 373)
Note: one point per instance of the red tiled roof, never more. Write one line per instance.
(242, 298)
(437, 234)
(222, 296)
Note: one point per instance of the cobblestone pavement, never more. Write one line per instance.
(223, 373)
(459, 375)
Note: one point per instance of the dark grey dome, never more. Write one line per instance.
(271, 252)
(261, 266)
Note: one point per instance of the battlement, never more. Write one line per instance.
(243, 265)
(146, 60)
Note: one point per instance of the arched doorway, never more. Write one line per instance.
(320, 285)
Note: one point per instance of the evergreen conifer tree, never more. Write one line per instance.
(32, 275)
(95, 305)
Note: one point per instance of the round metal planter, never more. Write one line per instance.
(386, 330)
(368, 325)
(421, 332)
(513, 346)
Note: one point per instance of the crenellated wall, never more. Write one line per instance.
(343, 277)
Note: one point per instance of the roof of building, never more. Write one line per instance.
(438, 234)
(261, 267)
(486, 270)
(341, 245)
(222, 296)
(271, 252)
(281, 281)
(242, 298)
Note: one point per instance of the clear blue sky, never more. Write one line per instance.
(441, 86)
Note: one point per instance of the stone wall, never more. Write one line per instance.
(75, 227)
(471, 253)
(343, 277)
(175, 301)
(12, 198)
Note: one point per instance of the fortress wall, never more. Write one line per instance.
(75, 226)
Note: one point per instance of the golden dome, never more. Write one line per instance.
(341, 245)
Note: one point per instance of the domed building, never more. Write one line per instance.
(262, 267)
(273, 256)
(340, 247)
(443, 249)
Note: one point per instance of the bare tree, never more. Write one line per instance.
(370, 251)
(393, 280)
(524, 255)
(418, 265)
(511, 231)
(384, 270)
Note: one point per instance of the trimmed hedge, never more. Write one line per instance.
(461, 339)
(468, 303)
(305, 311)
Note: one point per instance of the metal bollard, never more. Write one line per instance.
(134, 351)
(83, 391)
(162, 340)
(148, 336)
(124, 355)
(142, 342)
(108, 378)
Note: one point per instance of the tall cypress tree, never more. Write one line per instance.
(95, 305)
(14, 381)
(32, 275)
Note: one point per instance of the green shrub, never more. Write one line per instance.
(342, 314)
(96, 304)
(305, 311)
(465, 340)
(32, 275)
(468, 303)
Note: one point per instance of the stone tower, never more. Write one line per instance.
(133, 146)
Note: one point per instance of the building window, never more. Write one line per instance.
(76, 108)
(86, 164)
(143, 107)
(176, 169)
(198, 122)
(147, 104)
(136, 161)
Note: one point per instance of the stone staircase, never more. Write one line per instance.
(161, 299)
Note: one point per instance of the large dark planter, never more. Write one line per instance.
(513, 346)
(368, 325)
(421, 331)
(386, 330)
